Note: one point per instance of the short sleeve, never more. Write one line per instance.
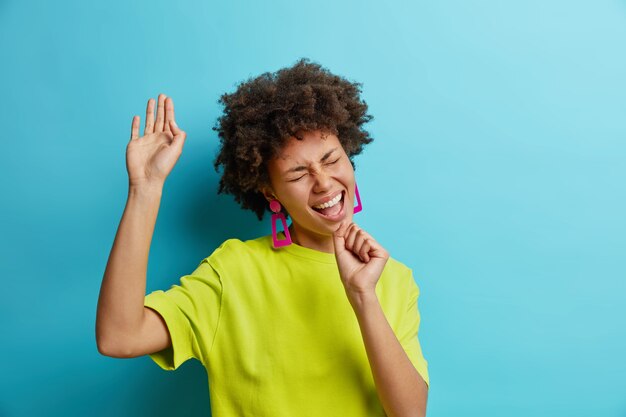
(191, 312)
(408, 332)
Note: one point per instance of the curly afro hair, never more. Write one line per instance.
(267, 110)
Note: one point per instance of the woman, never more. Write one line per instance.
(313, 320)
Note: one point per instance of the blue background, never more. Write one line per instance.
(497, 174)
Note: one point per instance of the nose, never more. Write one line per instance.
(323, 182)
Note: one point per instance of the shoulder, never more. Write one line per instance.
(237, 246)
(399, 275)
(397, 268)
(396, 265)
(236, 251)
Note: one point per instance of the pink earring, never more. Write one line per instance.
(358, 206)
(275, 207)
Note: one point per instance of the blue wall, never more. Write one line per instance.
(497, 174)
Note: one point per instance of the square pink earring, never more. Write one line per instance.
(358, 206)
(277, 215)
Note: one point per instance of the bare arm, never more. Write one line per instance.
(401, 389)
(124, 327)
(361, 260)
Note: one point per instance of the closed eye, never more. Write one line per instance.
(333, 162)
(297, 179)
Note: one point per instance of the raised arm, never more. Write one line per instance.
(124, 327)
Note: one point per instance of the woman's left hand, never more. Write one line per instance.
(360, 259)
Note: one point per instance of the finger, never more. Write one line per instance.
(376, 250)
(149, 128)
(160, 117)
(342, 229)
(364, 252)
(134, 128)
(169, 113)
(174, 127)
(338, 244)
(351, 236)
(360, 240)
(339, 238)
(179, 135)
(369, 238)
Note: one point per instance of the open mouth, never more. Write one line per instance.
(333, 208)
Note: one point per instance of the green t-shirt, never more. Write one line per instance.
(277, 334)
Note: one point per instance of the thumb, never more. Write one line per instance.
(339, 240)
(339, 244)
(179, 135)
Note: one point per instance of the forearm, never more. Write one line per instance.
(121, 301)
(401, 389)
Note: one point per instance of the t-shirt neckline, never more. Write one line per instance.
(304, 252)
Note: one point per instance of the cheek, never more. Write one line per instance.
(294, 196)
(347, 172)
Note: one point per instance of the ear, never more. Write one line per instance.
(268, 193)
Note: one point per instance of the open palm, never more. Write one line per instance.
(151, 157)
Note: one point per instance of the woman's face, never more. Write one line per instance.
(313, 180)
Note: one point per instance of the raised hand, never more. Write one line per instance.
(151, 157)
(360, 259)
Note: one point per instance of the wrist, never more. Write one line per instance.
(362, 299)
(145, 189)
(145, 195)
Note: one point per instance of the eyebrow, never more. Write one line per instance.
(302, 167)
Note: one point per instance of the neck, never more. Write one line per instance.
(321, 243)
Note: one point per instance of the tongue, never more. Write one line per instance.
(332, 211)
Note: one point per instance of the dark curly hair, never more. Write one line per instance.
(265, 111)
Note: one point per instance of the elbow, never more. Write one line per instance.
(414, 413)
(417, 413)
(106, 348)
(112, 347)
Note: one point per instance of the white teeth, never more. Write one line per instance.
(329, 203)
